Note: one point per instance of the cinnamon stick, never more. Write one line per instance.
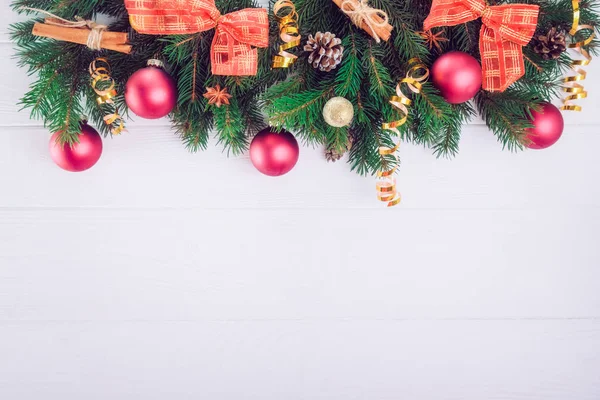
(383, 32)
(116, 41)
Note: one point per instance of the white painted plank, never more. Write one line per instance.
(161, 274)
(149, 168)
(298, 360)
(133, 264)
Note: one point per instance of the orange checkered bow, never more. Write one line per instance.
(231, 53)
(505, 30)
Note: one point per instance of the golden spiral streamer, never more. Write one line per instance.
(104, 86)
(575, 90)
(289, 32)
(386, 182)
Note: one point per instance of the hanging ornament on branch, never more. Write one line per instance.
(232, 51)
(289, 32)
(373, 21)
(150, 92)
(505, 30)
(79, 156)
(548, 125)
(93, 35)
(457, 76)
(274, 153)
(338, 112)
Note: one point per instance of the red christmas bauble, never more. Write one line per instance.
(548, 125)
(274, 153)
(457, 75)
(151, 93)
(80, 156)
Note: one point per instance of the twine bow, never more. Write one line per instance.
(505, 30)
(360, 12)
(231, 52)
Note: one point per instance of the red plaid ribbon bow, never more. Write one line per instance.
(237, 32)
(505, 30)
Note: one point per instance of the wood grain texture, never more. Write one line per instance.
(133, 264)
(161, 274)
(297, 360)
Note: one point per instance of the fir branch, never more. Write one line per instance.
(230, 128)
(67, 134)
(508, 115)
(530, 61)
(336, 138)
(40, 92)
(446, 140)
(381, 84)
(437, 107)
(294, 83)
(431, 112)
(194, 95)
(351, 73)
(298, 109)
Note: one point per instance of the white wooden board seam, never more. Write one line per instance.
(8, 321)
(273, 208)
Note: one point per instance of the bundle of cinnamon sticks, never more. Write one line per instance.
(116, 41)
(379, 29)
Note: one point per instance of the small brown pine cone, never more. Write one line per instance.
(551, 45)
(326, 51)
(332, 154)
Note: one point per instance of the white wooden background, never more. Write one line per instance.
(148, 277)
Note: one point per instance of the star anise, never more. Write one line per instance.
(433, 39)
(217, 96)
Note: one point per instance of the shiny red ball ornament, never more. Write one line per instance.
(548, 126)
(80, 156)
(274, 153)
(457, 75)
(151, 93)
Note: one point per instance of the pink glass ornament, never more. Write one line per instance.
(274, 153)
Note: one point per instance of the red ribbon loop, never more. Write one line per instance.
(505, 30)
(232, 51)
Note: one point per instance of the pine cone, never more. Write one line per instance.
(326, 51)
(551, 45)
(332, 154)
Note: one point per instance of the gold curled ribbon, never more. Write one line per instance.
(289, 32)
(575, 90)
(417, 74)
(104, 86)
